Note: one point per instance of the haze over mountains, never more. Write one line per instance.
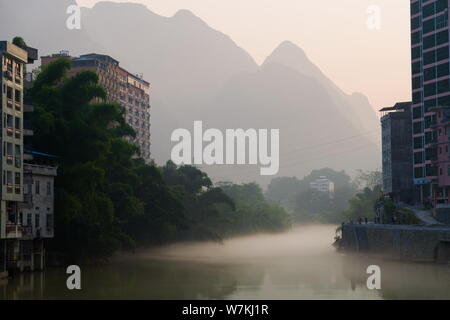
(198, 73)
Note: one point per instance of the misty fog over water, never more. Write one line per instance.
(300, 264)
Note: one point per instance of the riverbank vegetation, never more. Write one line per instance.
(107, 198)
(351, 199)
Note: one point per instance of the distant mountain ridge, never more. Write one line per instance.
(198, 73)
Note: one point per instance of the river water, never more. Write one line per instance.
(300, 264)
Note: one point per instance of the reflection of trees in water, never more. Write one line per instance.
(400, 280)
(150, 280)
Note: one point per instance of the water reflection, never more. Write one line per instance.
(300, 264)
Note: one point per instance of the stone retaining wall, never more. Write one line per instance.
(411, 243)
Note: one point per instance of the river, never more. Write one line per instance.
(300, 264)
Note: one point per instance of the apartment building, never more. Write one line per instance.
(13, 61)
(26, 216)
(122, 87)
(134, 97)
(397, 159)
(323, 185)
(431, 92)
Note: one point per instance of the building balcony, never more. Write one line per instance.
(27, 232)
(18, 78)
(9, 74)
(9, 159)
(13, 231)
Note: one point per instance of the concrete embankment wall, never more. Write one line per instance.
(442, 215)
(411, 243)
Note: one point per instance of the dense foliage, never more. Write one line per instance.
(106, 197)
(351, 199)
(308, 205)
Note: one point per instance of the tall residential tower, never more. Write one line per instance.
(131, 91)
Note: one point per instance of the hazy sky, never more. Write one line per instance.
(334, 34)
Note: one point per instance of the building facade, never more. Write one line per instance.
(132, 92)
(431, 90)
(397, 150)
(21, 238)
(323, 185)
(13, 61)
(135, 98)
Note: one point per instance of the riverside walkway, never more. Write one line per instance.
(424, 215)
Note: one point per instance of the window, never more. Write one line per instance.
(442, 53)
(430, 103)
(418, 157)
(429, 42)
(37, 187)
(441, 5)
(9, 181)
(49, 222)
(418, 143)
(49, 188)
(9, 153)
(18, 156)
(29, 217)
(17, 95)
(418, 172)
(431, 154)
(9, 121)
(429, 57)
(441, 21)
(415, 8)
(9, 93)
(417, 97)
(444, 101)
(428, 74)
(416, 66)
(415, 37)
(18, 187)
(443, 86)
(430, 89)
(428, 10)
(431, 171)
(37, 220)
(441, 37)
(428, 26)
(442, 70)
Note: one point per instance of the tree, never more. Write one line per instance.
(18, 41)
(106, 197)
(369, 179)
